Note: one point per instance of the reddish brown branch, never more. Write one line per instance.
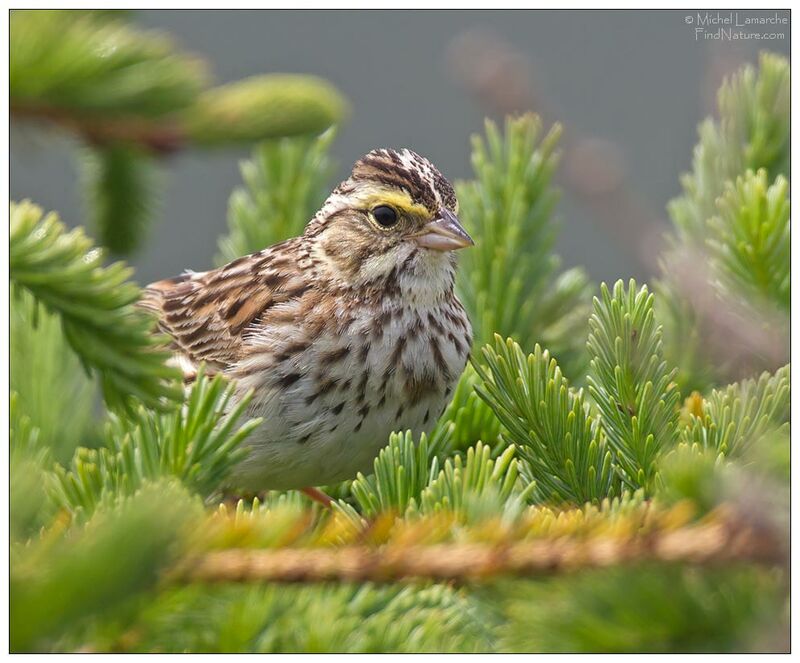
(701, 544)
(163, 137)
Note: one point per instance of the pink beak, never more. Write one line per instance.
(444, 234)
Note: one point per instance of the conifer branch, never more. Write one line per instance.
(562, 444)
(29, 456)
(407, 481)
(750, 134)
(130, 96)
(285, 183)
(120, 182)
(402, 470)
(630, 383)
(733, 419)
(42, 369)
(468, 419)
(508, 279)
(197, 443)
(62, 578)
(262, 107)
(75, 67)
(476, 484)
(715, 542)
(749, 239)
(64, 273)
(95, 75)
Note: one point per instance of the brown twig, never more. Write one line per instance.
(717, 542)
(163, 137)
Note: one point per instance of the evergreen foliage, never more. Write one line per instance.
(402, 470)
(29, 457)
(43, 366)
(197, 443)
(738, 416)
(564, 446)
(120, 187)
(131, 96)
(94, 64)
(665, 609)
(633, 523)
(64, 274)
(263, 107)
(732, 222)
(67, 576)
(630, 382)
(749, 238)
(285, 183)
(407, 481)
(468, 419)
(751, 134)
(477, 486)
(509, 281)
(347, 618)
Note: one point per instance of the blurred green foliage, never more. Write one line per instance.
(131, 96)
(732, 220)
(64, 273)
(285, 183)
(509, 281)
(110, 506)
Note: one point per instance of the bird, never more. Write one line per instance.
(344, 334)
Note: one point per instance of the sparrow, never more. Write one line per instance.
(343, 334)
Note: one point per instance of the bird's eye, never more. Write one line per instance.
(385, 216)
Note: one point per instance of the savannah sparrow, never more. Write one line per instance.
(345, 334)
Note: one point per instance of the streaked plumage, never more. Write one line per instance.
(345, 333)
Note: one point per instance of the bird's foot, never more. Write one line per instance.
(318, 496)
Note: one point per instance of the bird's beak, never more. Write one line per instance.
(444, 233)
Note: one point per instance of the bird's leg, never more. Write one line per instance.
(317, 495)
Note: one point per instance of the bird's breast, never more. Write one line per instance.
(331, 399)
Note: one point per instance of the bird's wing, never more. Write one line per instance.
(208, 314)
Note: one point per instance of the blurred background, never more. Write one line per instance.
(629, 88)
(118, 478)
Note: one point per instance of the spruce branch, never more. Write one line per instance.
(666, 608)
(43, 368)
(63, 578)
(549, 422)
(752, 133)
(407, 481)
(262, 107)
(402, 470)
(508, 279)
(468, 419)
(28, 458)
(64, 274)
(120, 183)
(739, 416)
(272, 618)
(476, 484)
(630, 383)
(285, 182)
(712, 542)
(112, 83)
(129, 96)
(197, 443)
(749, 239)
(76, 67)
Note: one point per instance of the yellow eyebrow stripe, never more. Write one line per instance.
(399, 200)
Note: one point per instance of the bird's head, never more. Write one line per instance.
(394, 218)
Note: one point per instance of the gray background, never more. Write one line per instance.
(636, 80)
